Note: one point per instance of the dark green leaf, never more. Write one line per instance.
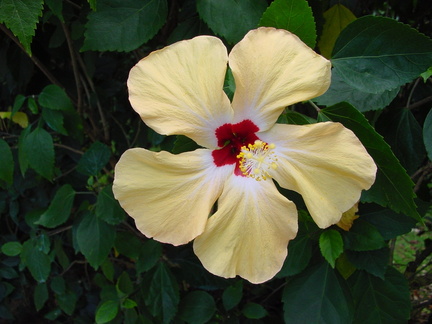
(150, 253)
(21, 17)
(11, 248)
(317, 296)
(293, 15)
(331, 245)
(183, 144)
(129, 303)
(18, 103)
(163, 293)
(222, 16)
(363, 237)
(95, 239)
(107, 208)
(62, 257)
(8, 273)
(107, 311)
(59, 210)
(129, 245)
(94, 159)
(108, 269)
(56, 7)
(124, 25)
(38, 147)
(380, 301)
(124, 285)
(55, 98)
(197, 307)
(254, 311)
(58, 285)
(393, 187)
(22, 156)
(40, 296)
(375, 262)
(232, 295)
(54, 120)
(367, 57)
(36, 261)
(427, 134)
(67, 302)
(295, 118)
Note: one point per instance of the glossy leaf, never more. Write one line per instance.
(107, 311)
(331, 245)
(293, 15)
(392, 187)
(107, 208)
(222, 16)
(382, 64)
(55, 98)
(7, 162)
(197, 307)
(94, 159)
(59, 210)
(123, 25)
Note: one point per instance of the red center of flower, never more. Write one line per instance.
(231, 138)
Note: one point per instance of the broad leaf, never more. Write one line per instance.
(59, 210)
(36, 261)
(336, 19)
(54, 120)
(149, 253)
(197, 307)
(295, 118)
(331, 245)
(293, 15)
(363, 237)
(380, 301)
(375, 262)
(317, 296)
(231, 19)
(95, 239)
(367, 57)
(427, 134)
(7, 162)
(393, 187)
(40, 296)
(107, 208)
(11, 248)
(253, 311)
(232, 295)
(184, 144)
(123, 25)
(55, 98)
(94, 159)
(38, 147)
(107, 311)
(21, 17)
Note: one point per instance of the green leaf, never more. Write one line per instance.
(427, 74)
(293, 15)
(253, 311)
(124, 285)
(336, 19)
(38, 263)
(55, 98)
(163, 293)
(60, 208)
(184, 144)
(107, 208)
(11, 248)
(54, 120)
(67, 302)
(129, 303)
(427, 134)
(94, 159)
(149, 254)
(56, 8)
(108, 269)
(393, 187)
(232, 295)
(40, 296)
(380, 301)
(404, 134)
(295, 118)
(375, 262)
(38, 147)
(363, 237)
(22, 155)
(367, 57)
(317, 296)
(197, 307)
(95, 239)
(123, 25)
(58, 285)
(222, 16)
(127, 244)
(107, 311)
(21, 17)
(7, 162)
(331, 245)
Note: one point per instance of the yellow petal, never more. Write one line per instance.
(326, 163)
(272, 69)
(348, 218)
(248, 235)
(179, 89)
(169, 196)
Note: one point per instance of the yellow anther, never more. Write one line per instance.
(257, 159)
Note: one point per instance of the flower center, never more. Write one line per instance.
(257, 159)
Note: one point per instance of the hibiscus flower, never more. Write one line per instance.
(178, 90)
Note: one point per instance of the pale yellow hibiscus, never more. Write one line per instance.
(178, 90)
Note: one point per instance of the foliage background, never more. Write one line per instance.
(70, 254)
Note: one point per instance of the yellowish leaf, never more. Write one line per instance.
(19, 118)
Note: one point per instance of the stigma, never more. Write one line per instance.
(257, 160)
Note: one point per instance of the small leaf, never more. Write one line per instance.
(11, 248)
(95, 239)
(38, 147)
(58, 285)
(232, 295)
(427, 134)
(40, 296)
(36, 261)
(331, 245)
(94, 159)
(363, 237)
(129, 303)
(293, 15)
(21, 17)
(107, 208)
(19, 117)
(197, 307)
(336, 19)
(124, 285)
(55, 98)
(123, 25)
(54, 120)
(222, 16)
(59, 210)
(7, 162)
(254, 311)
(67, 302)
(107, 311)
